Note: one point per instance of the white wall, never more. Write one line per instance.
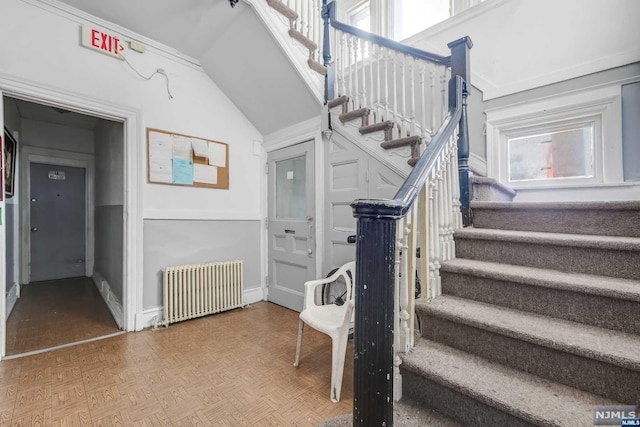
(40, 46)
(109, 163)
(522, 44)
(55, 136)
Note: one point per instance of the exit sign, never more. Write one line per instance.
(102, 41)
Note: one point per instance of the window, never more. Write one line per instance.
(360, 16)
(413, 16)
(567, 152)
(570, 139)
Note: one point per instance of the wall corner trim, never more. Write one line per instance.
(115, 306)
(12, 298)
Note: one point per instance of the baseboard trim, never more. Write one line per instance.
(150, 316)
(115, 306)
(12, 298)
(249, 296)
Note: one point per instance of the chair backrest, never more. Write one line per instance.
(348, 273)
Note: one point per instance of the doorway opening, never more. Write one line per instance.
(64, 227)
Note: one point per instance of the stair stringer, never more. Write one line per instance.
(395, 159)
(297, 54)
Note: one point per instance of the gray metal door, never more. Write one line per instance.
(57, 221)
(291, 233)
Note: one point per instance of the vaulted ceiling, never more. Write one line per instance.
(233, 46)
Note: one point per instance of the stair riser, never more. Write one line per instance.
(611, 313)
(596, 377)
(601, 222)
(490, 193)
(455, 405)
(589, 260)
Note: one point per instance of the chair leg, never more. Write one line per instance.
(338, 350)
(299, 344)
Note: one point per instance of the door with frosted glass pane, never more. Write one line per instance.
(292, 258)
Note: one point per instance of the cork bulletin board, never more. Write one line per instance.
(176, 159)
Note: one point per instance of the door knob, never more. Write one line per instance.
(34, 229)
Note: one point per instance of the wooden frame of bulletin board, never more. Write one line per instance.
(176, 159)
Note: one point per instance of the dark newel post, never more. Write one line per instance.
(460, 66)
(373, 334)
(326, 50)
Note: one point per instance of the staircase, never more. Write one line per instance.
(531, 316)
(539, 317)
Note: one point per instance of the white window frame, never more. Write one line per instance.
(600, 105)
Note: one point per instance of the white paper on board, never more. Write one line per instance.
(217, 154)
(160, 154)
(200, 147)
(205, 174)
(181, 147)
(160, 170)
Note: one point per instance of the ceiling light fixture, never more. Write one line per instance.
(233, 3)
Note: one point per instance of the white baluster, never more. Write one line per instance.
(432, 104)
(403, 96)
(385, 58)
(363, 55)
(371, 82)
(412, 95)
(357, 91)
(351, 90)
(404, 287)
(397, 378)
(378, 100)
(443, 99)
(447, 201)
(456, 184)
(434, 245)
(394, 104)
(340, 62)
(423, 104)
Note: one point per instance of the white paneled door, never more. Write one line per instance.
(291, 224)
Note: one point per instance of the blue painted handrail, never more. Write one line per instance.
(391, 44)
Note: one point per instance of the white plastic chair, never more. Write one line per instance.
(331, 319)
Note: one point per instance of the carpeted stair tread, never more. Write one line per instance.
(283, 9)
(336, 102)
(533, 399)
(406, 413)
(610, 287)
(376, 127)
(304, 40)
(353, 115)
(558, 239)
(317, 67)
(400, 142)
(591, 342)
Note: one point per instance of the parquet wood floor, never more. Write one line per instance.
(57, 312)
(228, 369)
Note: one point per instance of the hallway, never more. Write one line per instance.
(57, 312)
(229, 369)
